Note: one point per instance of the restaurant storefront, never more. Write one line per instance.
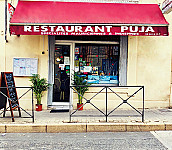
(101, 40)
(95, 57)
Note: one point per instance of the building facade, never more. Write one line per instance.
(125, 60)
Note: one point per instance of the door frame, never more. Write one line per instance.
(71, 69)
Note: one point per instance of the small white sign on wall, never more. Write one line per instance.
(25, 66)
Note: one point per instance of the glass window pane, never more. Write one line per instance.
(98, 59)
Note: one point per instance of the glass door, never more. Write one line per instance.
(61, 89)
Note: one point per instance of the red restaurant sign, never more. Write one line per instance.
(89, 30)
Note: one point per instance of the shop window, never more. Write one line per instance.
(100, 63)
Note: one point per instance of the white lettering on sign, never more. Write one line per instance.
(52, 28)
(142, 29)
(101, 29)
(36, 28)
(27, 29)
(149, 29)
(60, 28)
(71, 29)
(44, 28)
(123, 28)
(108, 28)
(88, 29)
(135, 29)
(78, 29)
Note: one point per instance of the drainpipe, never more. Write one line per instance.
(6, 21)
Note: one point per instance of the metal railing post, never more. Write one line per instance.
(32, 107)
(106, 106)
(143, 104)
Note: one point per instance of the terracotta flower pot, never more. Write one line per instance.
(38, 107)
(79, 105)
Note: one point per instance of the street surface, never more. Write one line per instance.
(86, 141)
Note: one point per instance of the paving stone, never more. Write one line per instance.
(2, 128)
(168, 126)
(62, 128)
(25, 128)
(144, 127)
(106, 127)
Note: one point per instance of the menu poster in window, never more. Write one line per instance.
(76, 50)
(87, 69)
(95, 70)
(66, 60)
(25, 66)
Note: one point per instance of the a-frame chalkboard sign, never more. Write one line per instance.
(10, 93)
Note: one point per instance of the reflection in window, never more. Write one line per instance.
(100, 63)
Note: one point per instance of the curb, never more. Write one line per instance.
(83, 127)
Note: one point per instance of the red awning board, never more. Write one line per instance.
(38, 17)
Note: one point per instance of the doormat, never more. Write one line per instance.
(59, 110)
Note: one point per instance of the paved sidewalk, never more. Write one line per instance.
(92, 116)
(155, 119)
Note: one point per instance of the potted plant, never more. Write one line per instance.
(39, 86)
(81, 87)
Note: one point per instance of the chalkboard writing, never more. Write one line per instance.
(7, 80)
(12, 94)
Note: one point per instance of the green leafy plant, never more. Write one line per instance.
(81, 85)
(39, 86)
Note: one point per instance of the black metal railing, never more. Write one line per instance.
(109, 88)
(4, 98)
